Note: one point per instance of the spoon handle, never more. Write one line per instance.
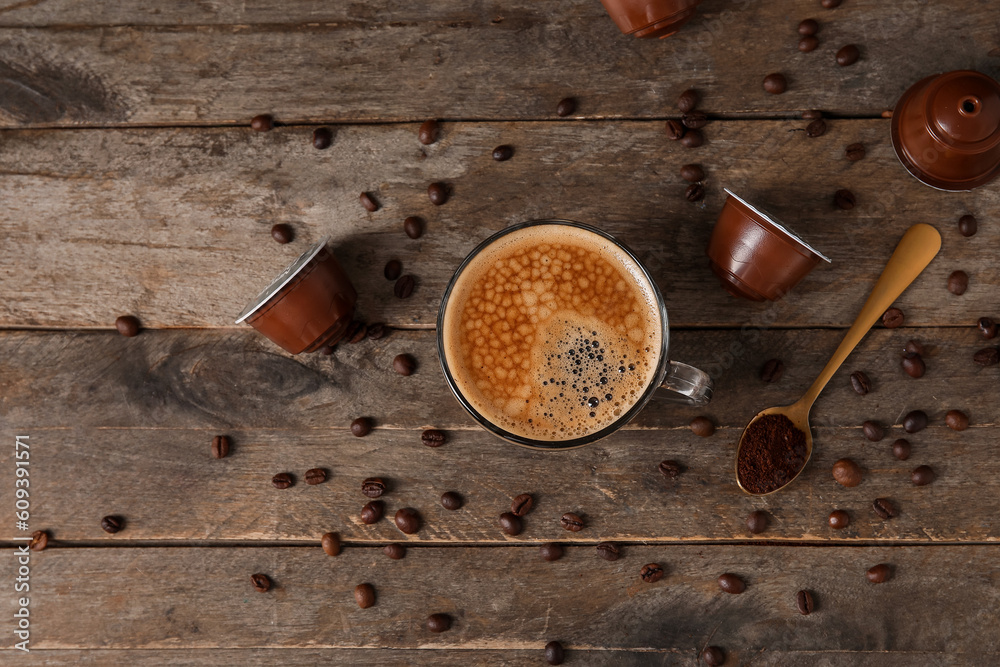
(915, 251)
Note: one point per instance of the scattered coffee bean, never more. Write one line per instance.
(361, 426)
(855, 152)
(503, 153)
(695, 192)
(730, 583)
(261, 582)
(565, 107)
(817, 128)
(958, 282)
(282, 233)
(433, 437)
(437, 193)
(956, 420)
(839, 519)
(775, 83)
(511, 523)
(404, 364)
(608, 551)
(368, 202)
(392, 269)
(262, 122)
(860, 382)
(220, 446)
(356, 332)
(884, 508)
(39, 540)
(675, 130)
(127, 325)
(551, 551)
(377, 331)
(688, 100)
(901, 449)
(554, 654)
(892, 318)
(844, 199)
(848, 55)
(315, 476)
(702, 426)
(772, 370)
(812, 114)
(692, 139)
(571, 522)
(364, 595)
(451, 501)
(692, 173)
(988, 328)
(438, 622)
(988, 356)
(330, 543)
(670, 469)
(915, 421)
(873, 431)
(967, 225)
(404, 286)
(847, 473)
(804, 601)
(373, 487)
(695, 120)
(713, 656)
(372, 512)
(428, 132)
(914, 365)
(808, 44)
(757, 522)
(651, 572)
(521, 504)
(913, 347)
(922, 475)
(408, 520)
(413, 227)
(282, 480)
(830, 4)
(394, 551)
(322, 138)
(808, 27)
(878, 574)
(326, 350)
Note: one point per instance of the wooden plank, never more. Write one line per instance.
(173, 225)
(129, 63)
(509, 598)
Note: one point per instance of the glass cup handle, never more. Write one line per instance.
(687, 384)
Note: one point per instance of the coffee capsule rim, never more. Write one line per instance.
(282, 279)
(778, 225)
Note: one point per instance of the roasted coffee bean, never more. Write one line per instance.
(670, 469)
(695, 192)
(988, 328)
(364, 595)
(873, 431)
(922, 475)
(511, 523)
(651, 572)
(261, 582)
(373, 487)
(915, 421)
(377, 331)
(408, 520)
(692, 139)
(315, 476)
(967, 225)
(692, 173)
(361, 426)
(521, 504)
(282, 480)
(855, 152)
(844, 199)
(772, 370)
(565, 107)
(394, 551)
(817, 128)
(282, 233)
(413, 227)
(730, 583)
(956, 420)
(571, 522)
(675, 130)
(808, 27)
(372, 512)
(988, 356)
(368, 201)
(830, 4)
(804, 601)
(913, 347)
(860, 382)
(848, 55)
(914, 365)
(839, 519)
(812, 114)
(847, 473)
(330, 543)
(322, 138)
(220, 446)
(404, 286)
(428, 132)
(262, 122)
(884, 508)
(437, 193)
(702, 426)
(551, 551)
(757, 522)
(503, 153)
(433, 437)
(39, 540)
(608, 551)
(392, 269)
(892, 318)
(808, 44)
(775, 83)
(901, 449)
(688, 100)
(880, 573)
(695, 120)
(438, 622)
(958, 282)
(713, 656)
(554, 654)
(404, 364)
(326, 350)
(451, 501)
(356, 332)
(127, 325)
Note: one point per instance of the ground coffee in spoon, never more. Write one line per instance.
(772, 453)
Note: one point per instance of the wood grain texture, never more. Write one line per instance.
(206, 63)
(173, 225)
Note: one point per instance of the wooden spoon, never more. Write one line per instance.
(915, 251)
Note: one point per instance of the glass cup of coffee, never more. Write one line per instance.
(552, 335)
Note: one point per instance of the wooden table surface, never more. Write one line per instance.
(131, 183)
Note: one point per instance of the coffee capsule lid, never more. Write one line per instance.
(778, 224)
(283, 279)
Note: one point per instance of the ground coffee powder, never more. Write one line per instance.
(772, 453)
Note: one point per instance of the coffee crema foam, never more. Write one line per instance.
(552, 332)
